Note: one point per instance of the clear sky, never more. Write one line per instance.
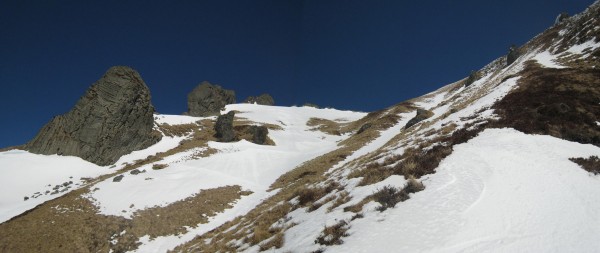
(347, 54)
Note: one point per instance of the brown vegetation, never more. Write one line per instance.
(559, 102)
(72, 224)
(590, 164)
(332, 235)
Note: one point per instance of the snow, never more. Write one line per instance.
(175, 119)
(23, 174)
(547, 60)
(164, 144)
(253, 167)
(503, 191)
(384, 137)
(588, 46)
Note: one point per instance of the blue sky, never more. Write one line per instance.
(347, 54)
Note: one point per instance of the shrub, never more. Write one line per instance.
(388, 197)
(332, 235)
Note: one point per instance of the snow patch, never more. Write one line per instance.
(547, 60)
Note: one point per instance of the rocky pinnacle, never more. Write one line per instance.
(113, 118)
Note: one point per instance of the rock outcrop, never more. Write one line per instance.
(513, 55)
(264, 99)
(113, 118)
(259, 134)
(421, 115)
(208, 100)
(224, 127)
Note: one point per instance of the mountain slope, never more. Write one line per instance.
(482, 164)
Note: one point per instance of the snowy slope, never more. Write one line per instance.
(503, 191)
(254, 167)
(23, 174)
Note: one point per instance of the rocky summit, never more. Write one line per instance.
(208, 100)
(113, 118)
(264, 99)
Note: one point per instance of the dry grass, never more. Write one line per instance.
(178, 130)
(255, 224)
(72, 224)
(590, 164)
(326, 126)
(341, 199)
(172, 219)
(275, 242)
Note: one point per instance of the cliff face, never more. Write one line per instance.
(113, 118)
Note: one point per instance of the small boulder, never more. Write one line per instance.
(421, 115)
(264, 99)
(364, 127)
(259, 134)
(224, 127)
(208, 100)
(118, 178)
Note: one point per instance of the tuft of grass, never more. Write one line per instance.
(590, 164)
(388, 197)
(275, 242)
(343, 198)
(332, 235)
(159, 166)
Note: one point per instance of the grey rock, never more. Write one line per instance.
(224, 127)
(474, 76)
(513, 55)
(364, 127)
(113, 118)
(118, 178)
(264, 99)
(421, 115)
(561, 17)
(208, 100)
(259, 134)
(136, 171)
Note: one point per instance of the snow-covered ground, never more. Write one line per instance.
(503, 191)
(23, 174)
(254, 167)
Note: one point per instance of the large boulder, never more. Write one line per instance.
(113, 118)
(208, 100)
(224, 127)
(264, 99)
